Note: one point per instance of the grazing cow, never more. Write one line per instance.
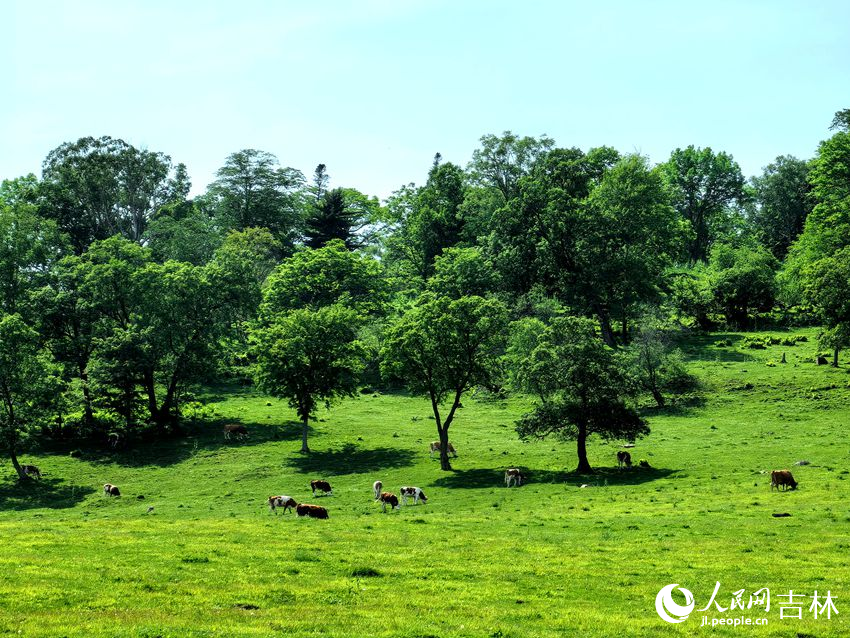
(376, 487)
(111, 490)
(286, 502)
(782, 478)
(388, 497)
(624, 459)
(435, 447)
(415, 492)
(31, 471)
(323, 486)
(313, 511)
(513, 475)
(235, 429)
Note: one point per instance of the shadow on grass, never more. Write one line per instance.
(717, 346)
(49, 493)
(196, 437)
(351, 459)
(678, 406)
(483, 478)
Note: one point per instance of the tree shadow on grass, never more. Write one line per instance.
(483, 478)
(46, 493)
(351, 459)
(196, 437)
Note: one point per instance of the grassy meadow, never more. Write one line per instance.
(550, 558)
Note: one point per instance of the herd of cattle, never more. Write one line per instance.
(513, 476)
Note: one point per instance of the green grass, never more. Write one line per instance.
(548, 559)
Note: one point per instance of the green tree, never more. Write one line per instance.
(783, 203)
(743, 279)
(443, 347)
(703, 184)
(192, 235)
(29, 385)
(502, 161)
(98, 187)
(344, 214)
(251, 190)
(826, 287)
(461, 272)
(308, 357)
(580, 386)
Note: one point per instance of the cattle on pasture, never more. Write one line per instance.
(435, 447)
(111, 490)
(283, 501)
(388, 498)
(313, 511)
(513, 476)
(322, 486)
(235, 429)
(624, 459)
(414, 492)
(377, 486)
(782, 478)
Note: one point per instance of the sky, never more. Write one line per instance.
(374, 88)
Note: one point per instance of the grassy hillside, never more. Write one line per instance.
(551, 558)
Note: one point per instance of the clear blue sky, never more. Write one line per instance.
(374, 88)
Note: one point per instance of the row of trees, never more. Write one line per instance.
(563, 271)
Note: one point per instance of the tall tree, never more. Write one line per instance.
(703, 184)
(742, 279)
(502, 161)
(580, 386)
(344, 214)
(251, 190)
(309, 357)
(98, 187)
(443, 347)
(782, 203)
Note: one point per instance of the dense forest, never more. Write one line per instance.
(563, 273)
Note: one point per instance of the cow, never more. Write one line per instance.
(313, 511)
(624, 459)
(388, 497)
(323, 486)
(235, 429)
(32, 471)
(513, 475)
(435, 447)
(376, 487)
(286, 502)
(111, 490)
(415, 492)
(782, 478)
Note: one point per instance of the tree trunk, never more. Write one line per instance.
(835, 357)
(21, 476)
(445, 465)
(88, 413)
(607, 331)
(305, 449)
(659, 398)
(150, 389)
(583, 463)
(625, 330)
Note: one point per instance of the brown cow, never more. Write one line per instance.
(513, 475)
(388, 497)
(313, 511)
(286, 502)
(783, 478)
(435, 447)
(323, 486)
(624, 459)
(111, 490)
(235, 429)
(31, 471)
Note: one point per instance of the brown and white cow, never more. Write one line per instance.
(313, 511)
(414, 492)
(111, 490)
(624, 459)
(32, 471)
(435, 447)
(235, 429)
(782, 478)
(283, 501)
(513, 475)
(322, 486)
(388, 498)
(377, 486)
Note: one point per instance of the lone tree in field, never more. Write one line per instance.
(442, 347)
(29, 384)
(309, 356)
(580, 386)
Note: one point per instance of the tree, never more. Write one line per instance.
(742, 279)
(344, 214)
(29, 384)
(98, 187)
(841, 121)
(783, 203)
(443, 347)
(191, 236)
(703, 184)
(251, 190)
(461, 272)
(502, 161)
(580, 387)
(308, 356)
(826, 287)
(312, 278)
